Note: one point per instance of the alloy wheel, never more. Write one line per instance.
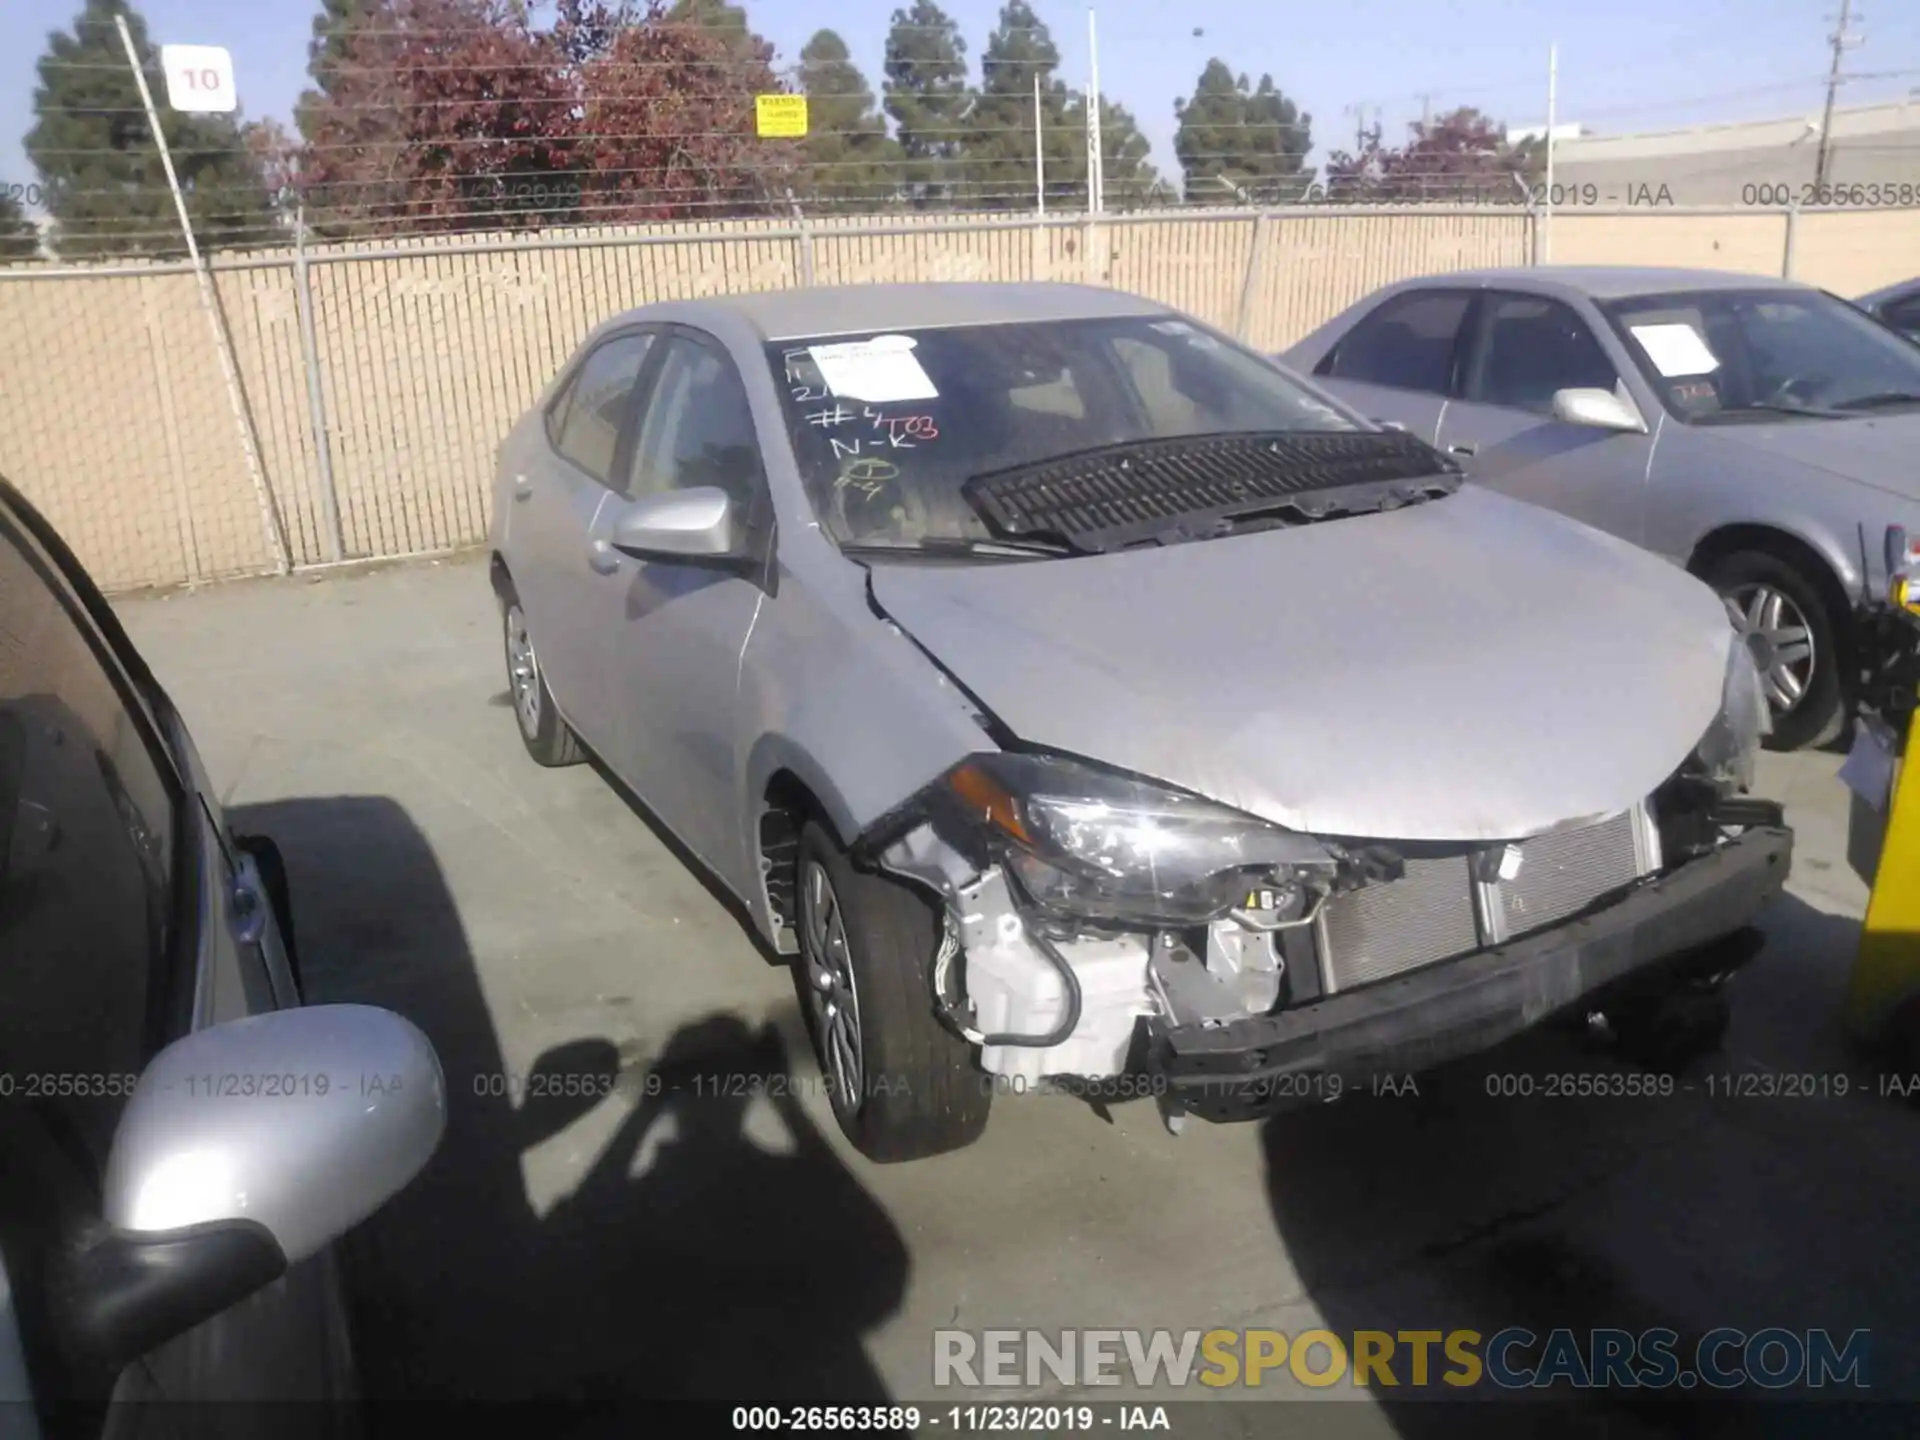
(1778, 636)
(831, 994)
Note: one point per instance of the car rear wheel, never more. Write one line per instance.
(548, 738)
(1787, 622)
(902, 1085)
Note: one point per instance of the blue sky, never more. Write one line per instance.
(1624, 64)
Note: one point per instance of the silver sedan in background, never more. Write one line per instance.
(1895, 306)
(1079, 697)
(1759, 432)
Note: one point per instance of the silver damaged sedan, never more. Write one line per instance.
(1082, 698)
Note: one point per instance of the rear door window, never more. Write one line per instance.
(1408, 343)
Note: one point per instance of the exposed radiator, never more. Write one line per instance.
(1437, 909)
(1560, 874)
(1381, 930)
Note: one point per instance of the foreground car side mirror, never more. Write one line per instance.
(693, 524)
(1597, 410)
(246, 1148)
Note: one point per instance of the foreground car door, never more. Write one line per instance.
(1398, 363)
(1524, 348)
(672, 630)
(98, 825)
(556, 495)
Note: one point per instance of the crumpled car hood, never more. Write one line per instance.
(1877, 450)
(1472, 668)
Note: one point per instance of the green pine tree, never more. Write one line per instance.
(19, 239)
(106, 188)
(327, 51)
(1237, 142)
(1128, 179)
(720, 15)
(848, 162)
(928, 97)
(1000, 146)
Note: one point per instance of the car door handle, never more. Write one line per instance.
(522, 488)
(602, 558)
(1460, 449)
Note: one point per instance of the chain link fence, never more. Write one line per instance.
(379, 378)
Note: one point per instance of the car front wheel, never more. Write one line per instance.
(902, 1085)
(1785, 620)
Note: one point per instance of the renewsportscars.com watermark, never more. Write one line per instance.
(1511, 1359)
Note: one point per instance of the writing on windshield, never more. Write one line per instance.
(887, 427)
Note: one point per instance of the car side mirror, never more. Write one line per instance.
(246, 1148)
(692, 524)
(1597, 410)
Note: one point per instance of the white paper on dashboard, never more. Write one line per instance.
(879, 370)
(1675, 350)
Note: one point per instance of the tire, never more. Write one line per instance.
(548, 738)
(1820, 710)
(272, 866)
(916, 1091)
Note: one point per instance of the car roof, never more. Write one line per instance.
(852, 309)
(1610, 282)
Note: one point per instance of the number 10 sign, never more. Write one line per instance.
(199, 78)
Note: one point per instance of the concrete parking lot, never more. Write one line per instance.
(607, 1249)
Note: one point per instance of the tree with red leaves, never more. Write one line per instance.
(1461, 157)
(440, 115)
(460, 115)
(667, 128)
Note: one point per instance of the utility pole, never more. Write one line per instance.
(1426, 111)
(1096, 168)
(1842, 40)
(1553, 99)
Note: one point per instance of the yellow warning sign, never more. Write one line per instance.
(780, 117)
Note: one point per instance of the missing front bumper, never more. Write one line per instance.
(1463, 1006)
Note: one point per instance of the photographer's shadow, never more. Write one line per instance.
(715, 1248)
(697, 1261)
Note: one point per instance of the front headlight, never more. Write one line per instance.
(1101, 846)
(1728, 748)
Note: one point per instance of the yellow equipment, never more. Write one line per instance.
(1883, 997)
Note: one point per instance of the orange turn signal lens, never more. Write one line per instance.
(990, 799)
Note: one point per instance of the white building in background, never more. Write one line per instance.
(1756, 162)
(1520, 134)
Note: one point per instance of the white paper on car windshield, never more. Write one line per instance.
(1675, 350)
(879, 370)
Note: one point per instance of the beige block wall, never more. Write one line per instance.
(114, 417)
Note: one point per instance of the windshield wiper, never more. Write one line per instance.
(1774, 407)
(1879, 401)
(1184, 487)
(961, 545)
